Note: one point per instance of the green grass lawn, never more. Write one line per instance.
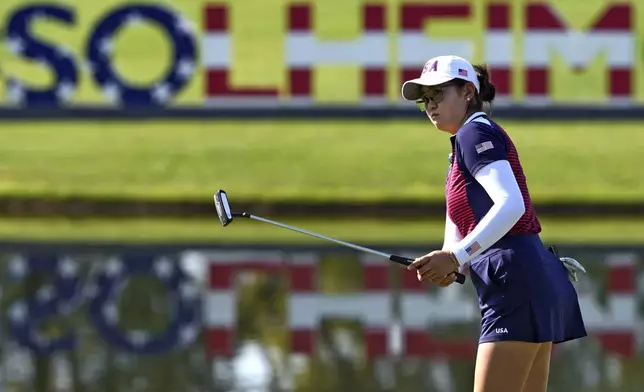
(362, 231)
(323, 160)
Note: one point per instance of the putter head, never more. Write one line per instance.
(223, 208)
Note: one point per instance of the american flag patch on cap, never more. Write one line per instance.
(484, 147)
(473, 248)
(462, 72)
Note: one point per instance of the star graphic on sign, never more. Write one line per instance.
(18, 267)
(87, 66)
(64, 52)
(138, 338)
(105, 46)
(38, 14)
(67, 268)
(134, 18)
(18, 312)
(163, 268)
(65, 91)
(45, 293)
(161, 93)
(189, 291)
(112, 92)
(15, 92)
(185, 68)
(185, 25)
(110, 313)
(188, 334)
(113, 267)
(15, 45)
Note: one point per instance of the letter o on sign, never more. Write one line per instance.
(114, 87)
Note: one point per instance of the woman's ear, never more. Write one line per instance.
(470, 92)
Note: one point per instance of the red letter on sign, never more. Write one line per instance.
(217, 57)
(304, 51)
(415, 48)
(611, 34)
(498, 48)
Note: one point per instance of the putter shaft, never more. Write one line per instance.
(460, 278)
(347, 244)
(226, 216)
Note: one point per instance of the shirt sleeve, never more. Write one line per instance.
(479, 145)
(499, 182)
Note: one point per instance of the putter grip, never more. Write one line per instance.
(460, 278)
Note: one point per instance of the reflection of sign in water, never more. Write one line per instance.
(24, 43)
(614, 324)
(102, 291)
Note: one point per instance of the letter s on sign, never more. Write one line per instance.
(22, 42)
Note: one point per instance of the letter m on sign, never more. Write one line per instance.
(610, 35)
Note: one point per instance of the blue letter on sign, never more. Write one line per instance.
(183, 328)
(161, 92)
(26, 316)
(21, 42)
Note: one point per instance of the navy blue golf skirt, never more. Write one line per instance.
(525, 293)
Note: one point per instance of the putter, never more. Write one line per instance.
(226, 216)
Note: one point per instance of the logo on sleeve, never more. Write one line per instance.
(484, 147)
(473, 248)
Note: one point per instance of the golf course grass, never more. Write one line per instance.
(303, 160)
(595, 231)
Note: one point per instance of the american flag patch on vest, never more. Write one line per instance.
(484, 147)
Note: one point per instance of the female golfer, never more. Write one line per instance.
(526, 298)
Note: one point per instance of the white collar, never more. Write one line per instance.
(473, 116)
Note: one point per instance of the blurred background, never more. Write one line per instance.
(119, 120)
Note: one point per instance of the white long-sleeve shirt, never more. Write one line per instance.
(500, 184)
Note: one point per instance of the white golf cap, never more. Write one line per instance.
(437, 71)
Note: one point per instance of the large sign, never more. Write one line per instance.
(351, 52)
(539, 51)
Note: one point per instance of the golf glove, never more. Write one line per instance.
(571, 265)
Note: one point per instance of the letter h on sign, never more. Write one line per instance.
(303, 53)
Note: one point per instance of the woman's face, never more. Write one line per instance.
(446, 105)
